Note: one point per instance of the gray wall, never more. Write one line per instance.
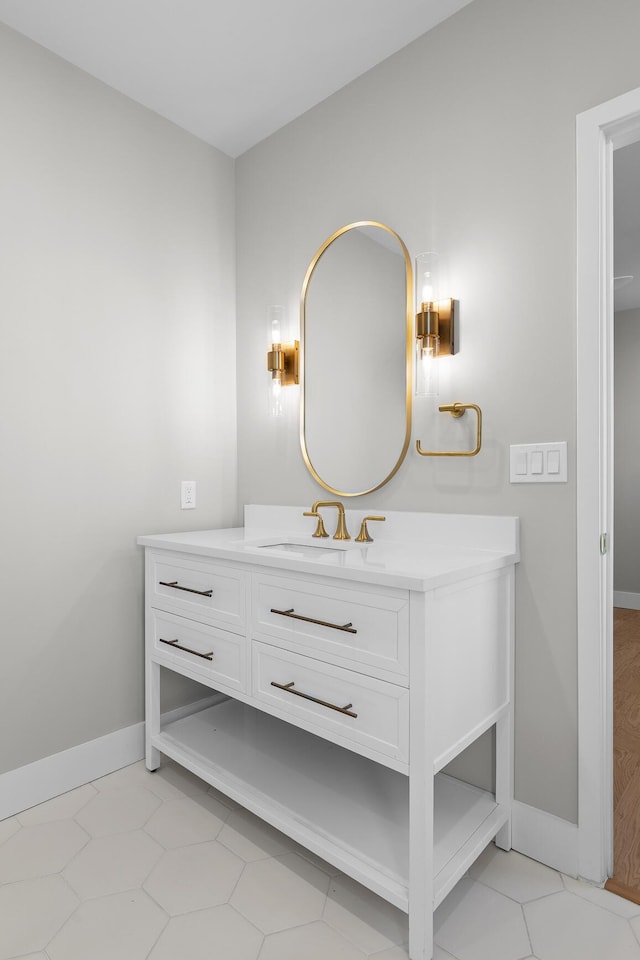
(463, 142)
(117, 380)
(626, 564)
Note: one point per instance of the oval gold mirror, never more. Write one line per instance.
(356, 354)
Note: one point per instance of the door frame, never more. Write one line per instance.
(599, 132)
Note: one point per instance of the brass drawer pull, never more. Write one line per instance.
(288, 688)
(177, 646)
(347, 627)
(176, 586)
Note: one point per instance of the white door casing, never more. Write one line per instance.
(599, 131)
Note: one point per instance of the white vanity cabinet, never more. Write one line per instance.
(346, 679)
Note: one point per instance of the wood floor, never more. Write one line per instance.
(626, 754)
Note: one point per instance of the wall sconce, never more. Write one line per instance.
(282, 360)
(436, 325)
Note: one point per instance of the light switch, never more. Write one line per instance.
(538, 462)
(553, 461)
(521, 463)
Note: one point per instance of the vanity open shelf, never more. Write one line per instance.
(345, 808)
(345, 681)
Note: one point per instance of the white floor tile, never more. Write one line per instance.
(252, 838)
(173, 869)
(40, 850)
(226, 801)
(137, 775)
(317, 861)
(402, 953)
(476, 923)
(60, 808)
(515, 876)
(124, 926)
(172, 774)
(314, 941)
(112, 864)
(602, 898)
(281, 892)
(367, 921)
(31, 913)
(193, 878)
(8, 827)
(118, 811)
(178, 823)
(207, 934)
(566, 927)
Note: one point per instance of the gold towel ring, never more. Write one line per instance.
(457, 410)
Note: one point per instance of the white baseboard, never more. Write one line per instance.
(629, 601)
(44, 779)
(541, 836)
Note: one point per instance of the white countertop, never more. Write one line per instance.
(431, 550)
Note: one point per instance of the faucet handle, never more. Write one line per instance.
(363, 536)
(320, 530)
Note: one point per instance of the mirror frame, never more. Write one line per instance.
(408, 360)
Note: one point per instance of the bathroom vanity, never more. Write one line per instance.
(344, 677)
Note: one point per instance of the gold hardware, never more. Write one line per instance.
(341, 530)
(177, 646)
(457, 410)
(347, 627)
(175, 585)
(409, 341)
(439, 320)
(283, 362)
(288, 688)
(363, 536)
(320, 530)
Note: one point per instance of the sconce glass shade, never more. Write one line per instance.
(282, 360)
(275, 359)
(427, 325)
(427, 278)
(427, 382)
(275, 323)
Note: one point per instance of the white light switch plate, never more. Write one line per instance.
(538, 462)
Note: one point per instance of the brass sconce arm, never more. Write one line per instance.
(457, 410)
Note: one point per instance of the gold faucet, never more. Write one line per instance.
(341, 530)
(364, 536)
(320, 530)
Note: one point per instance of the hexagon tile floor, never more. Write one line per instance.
(159, 866)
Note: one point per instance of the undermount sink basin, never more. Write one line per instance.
(306, 549)
(298, 547)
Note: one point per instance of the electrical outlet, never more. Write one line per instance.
(188, 495)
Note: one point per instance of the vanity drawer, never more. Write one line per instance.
(354, 628)
(361, 713)
(199, 649)
(199, 589)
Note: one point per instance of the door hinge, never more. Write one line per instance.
(604, 543)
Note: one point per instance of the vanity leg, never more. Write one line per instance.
(504, 727)
(504, 776)
(421, 869)
(421, 787)
(152, 713)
